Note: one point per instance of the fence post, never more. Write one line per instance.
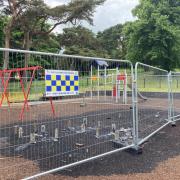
(105, 81)
(144, 83)
(98, 82)
(136, 107)
(170, 101)
(135, 110)
(91, 82)
(117, 84)
(177, 83)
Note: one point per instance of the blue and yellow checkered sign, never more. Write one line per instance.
(61, 83)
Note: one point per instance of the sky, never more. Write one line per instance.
(112, 12)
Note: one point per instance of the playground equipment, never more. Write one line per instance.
(7, 75)
(117, 87)
(118, 83)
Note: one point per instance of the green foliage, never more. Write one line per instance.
(1, 31)
(74, 11)
(45, 43)
(29, 19)
(153, 38)
(16, 38)
(81, 41)
(79, 36)
(112, 41)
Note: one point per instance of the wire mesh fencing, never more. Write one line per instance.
(175, 96)
(50, 133)
(152, 93)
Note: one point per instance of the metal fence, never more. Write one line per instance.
(50, 134)
(175, 96)
(115, 109)
(152, 97)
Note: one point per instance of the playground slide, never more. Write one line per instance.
(139, 94)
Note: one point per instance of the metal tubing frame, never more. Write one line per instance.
(91, 82)
(117, 72)
(5, 88)
(98, 82)
(172, 106)
(138, 142)
(125, 88)
(133, 145)
(112, 84)
(86, 58)
(3, 84)
(23, 89)
(152, 134)
(170, 100)
(78, 163)
(105, 81)
(27, 95)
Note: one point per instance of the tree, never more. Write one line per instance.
(153, 38)
(48, 43)
(2, 21)
(112, 41)
(11, 9)
(79, 36)
(82, 41)
(32, 17)
(34, 20)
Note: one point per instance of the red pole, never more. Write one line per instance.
(2, 80)
(52, 106)
(5, 88)
(25, 101)
(22, 86)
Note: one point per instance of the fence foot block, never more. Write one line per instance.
(134, 150)
(173, 124)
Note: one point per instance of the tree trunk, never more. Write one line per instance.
(27, 41)
(7, 45)
(27, 45)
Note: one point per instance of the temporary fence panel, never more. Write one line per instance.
(175, 95)
(52, 119)
(152, 97)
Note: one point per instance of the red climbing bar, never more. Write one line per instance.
(52, 106)
(6, 82)
(26, 94)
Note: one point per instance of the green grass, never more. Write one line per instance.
(157, 84)
(145, 84)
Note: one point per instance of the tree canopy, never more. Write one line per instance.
(82, 41)
(154, 37)
(1, 31)
(32, 18)
(112, 41)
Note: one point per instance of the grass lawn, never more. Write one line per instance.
(145, 84)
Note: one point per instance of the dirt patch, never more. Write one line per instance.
(164, 171)
(16, 168)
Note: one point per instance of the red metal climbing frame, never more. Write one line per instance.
(8, 73)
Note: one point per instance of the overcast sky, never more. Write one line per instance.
(112, 12)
